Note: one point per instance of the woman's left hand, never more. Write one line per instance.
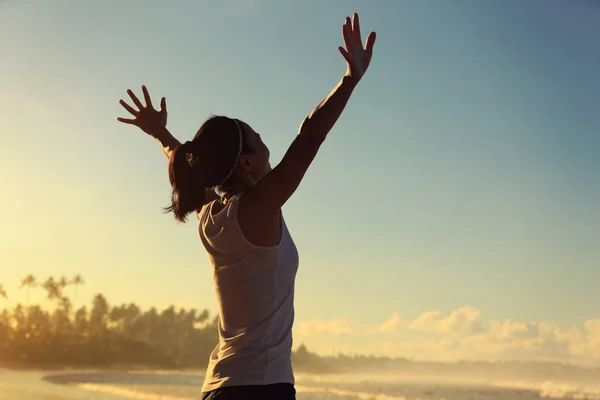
(357, 57)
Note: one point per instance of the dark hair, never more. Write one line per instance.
(203, 163)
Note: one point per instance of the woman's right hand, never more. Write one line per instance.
(151, 121)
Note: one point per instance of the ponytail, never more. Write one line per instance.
(188, 188)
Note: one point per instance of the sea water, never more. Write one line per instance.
(163, 385)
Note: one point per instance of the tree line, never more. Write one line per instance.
(107, 336)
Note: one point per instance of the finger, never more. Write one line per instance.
(163, 105)
(347, 33)
(126, 120)
(370, 41)
(128, 107)
(356, 28)
(346, 55)
(135, 99)
(147, 97)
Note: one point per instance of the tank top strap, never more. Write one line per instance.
(221, 229)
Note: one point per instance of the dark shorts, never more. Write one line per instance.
(279, 391)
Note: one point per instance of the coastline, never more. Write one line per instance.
(59, 367)
(151, 384)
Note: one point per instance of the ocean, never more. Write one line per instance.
(163, 385)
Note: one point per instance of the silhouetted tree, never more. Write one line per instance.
(80, 323)
(63, 282)
(103, 335)
(76, 281)
(29, 282)
(6, 331)
(99, 316)
(53, 289)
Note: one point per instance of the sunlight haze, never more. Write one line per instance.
(453, 212)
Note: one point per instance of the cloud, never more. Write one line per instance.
(334, 327)
(394, 324)
(465, 320)
(592, 326)
(464, 333)
(513, 330)
(426, 322)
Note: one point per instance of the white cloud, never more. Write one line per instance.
(426, 322)
(592, 326)
(465, 334)
(517, 330)
(465, 320)
(394, 324)
(334, 327)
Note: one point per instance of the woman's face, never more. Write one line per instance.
(257, 163)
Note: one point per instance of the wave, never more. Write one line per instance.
(140, 395)
(182, 386)
(349, 393)
(129, 393)
(554, 390)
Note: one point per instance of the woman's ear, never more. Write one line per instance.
(245, 164)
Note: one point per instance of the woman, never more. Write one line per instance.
(224, 175)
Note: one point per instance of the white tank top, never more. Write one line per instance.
(255, 294)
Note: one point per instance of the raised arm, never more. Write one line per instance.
(167, 142)
(149, 120)
(271, 192)
(154, 123)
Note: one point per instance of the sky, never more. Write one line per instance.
(453, 212)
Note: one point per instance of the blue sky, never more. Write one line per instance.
(464, 172)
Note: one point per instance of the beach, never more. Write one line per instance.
(168, 385)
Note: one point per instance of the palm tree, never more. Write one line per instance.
(30, 282)
(53, 289)
(76, 281)
(63, 282)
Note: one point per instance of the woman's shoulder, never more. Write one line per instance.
(220, 209)
(220, 228)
